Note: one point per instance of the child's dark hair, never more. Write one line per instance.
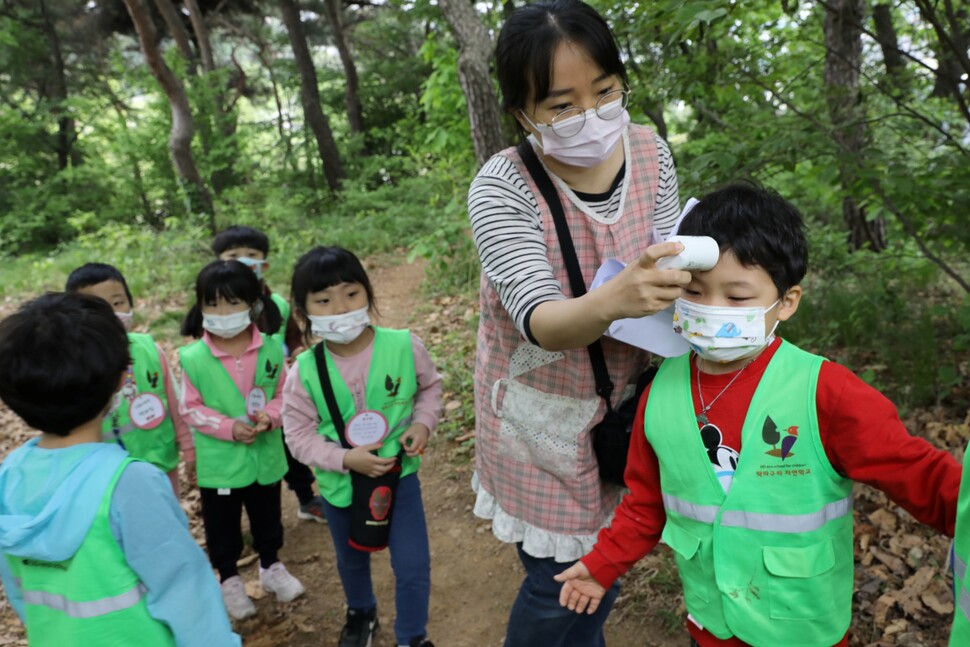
(240, 236)
(759, 226)
(232, 281)
(93, 273)
(321, 268)
(527, 44)
(63, 355)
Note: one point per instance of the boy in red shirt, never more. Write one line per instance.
(763, 544)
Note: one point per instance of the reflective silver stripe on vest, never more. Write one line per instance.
(965, 603)
(762, 521)
(88, 608)
(959, 567)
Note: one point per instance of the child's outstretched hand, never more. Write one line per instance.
(361, 460)
(243, 433)
(415, 439)
(580, 592)
(262, 421)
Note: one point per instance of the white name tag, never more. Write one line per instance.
(366, 427)
(146, 411)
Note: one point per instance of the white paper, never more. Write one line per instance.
(656, 332)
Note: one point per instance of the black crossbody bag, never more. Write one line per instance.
(373, 498)
(611, 436)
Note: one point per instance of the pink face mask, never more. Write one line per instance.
(590, 146)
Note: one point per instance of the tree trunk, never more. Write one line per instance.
(66, 130)
(176, 28)
(843, 56)
(355, 112)
(473, 59)
(882, 17)
(180, 138)
(310, 96)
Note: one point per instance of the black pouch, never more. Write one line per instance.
(371, 508)
(373, 498)
(611, 436)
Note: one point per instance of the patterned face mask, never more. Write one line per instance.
(723, 334)
(343, 328)
(255, 264)
(227, 326)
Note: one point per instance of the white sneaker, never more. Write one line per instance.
(276, 579)
(237, 601)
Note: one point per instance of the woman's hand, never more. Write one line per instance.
(580, 592)
(415, 439)
(361, 460)
(243, 433)
(641, 289)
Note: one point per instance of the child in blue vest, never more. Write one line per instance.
(94, 548)
(231, 396)
(144, 418)
(250, 246)
(388, 394)
(744, 451)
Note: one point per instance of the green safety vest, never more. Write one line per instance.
(770, 561)
(91, 598)
(391, 387)
(156, 446)
(960, 632)
(227, 463)
(284, 307)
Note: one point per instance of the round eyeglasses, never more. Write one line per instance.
(570, 121)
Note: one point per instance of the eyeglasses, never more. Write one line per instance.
(570, 121)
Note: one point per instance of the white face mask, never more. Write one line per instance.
(226, 326)
(340, 329)
(255, 264)
(590, 146)
(126, 318)
(723, 334)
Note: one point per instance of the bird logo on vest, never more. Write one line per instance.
(771, 436)
(380, 502)
(392, 386)
(152, 379)
(271, 369)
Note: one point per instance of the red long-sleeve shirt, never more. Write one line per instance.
(861, 433)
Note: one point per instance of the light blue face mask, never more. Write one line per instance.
(255, 264)
(723, 334)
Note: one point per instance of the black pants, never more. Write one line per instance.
(222, 519)
(299, 478)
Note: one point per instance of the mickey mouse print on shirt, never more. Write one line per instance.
(724, 459)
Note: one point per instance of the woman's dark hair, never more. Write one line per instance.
(232, 281)
(63, 355)
(528, 40)
(321, 268)
(760, 227)
(240, 236)
(93, 273)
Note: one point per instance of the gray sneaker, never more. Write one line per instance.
(276, 579)
(237, 601)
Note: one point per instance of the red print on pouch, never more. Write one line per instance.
(380, 502)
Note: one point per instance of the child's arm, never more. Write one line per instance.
(300, 422)
(865, 440)
(207, 421)
(274, 408)
(11, 588)
(634, 532)
(183, 435)
(427, 401)
(147, 522)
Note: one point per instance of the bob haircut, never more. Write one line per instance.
(760, 227)
(324, 267)
(528, 40)
(232, 281)
(63, 355)
(93, 273)
(240, 236)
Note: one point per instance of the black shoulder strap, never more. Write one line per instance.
(604, 386)
(328, 395)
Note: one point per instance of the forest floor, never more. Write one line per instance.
(902, 587)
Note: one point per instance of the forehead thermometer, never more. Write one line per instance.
(700, 253)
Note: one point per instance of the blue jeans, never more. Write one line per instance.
(537, 617)
(410, 560)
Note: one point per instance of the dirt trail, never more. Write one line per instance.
(474, 577)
